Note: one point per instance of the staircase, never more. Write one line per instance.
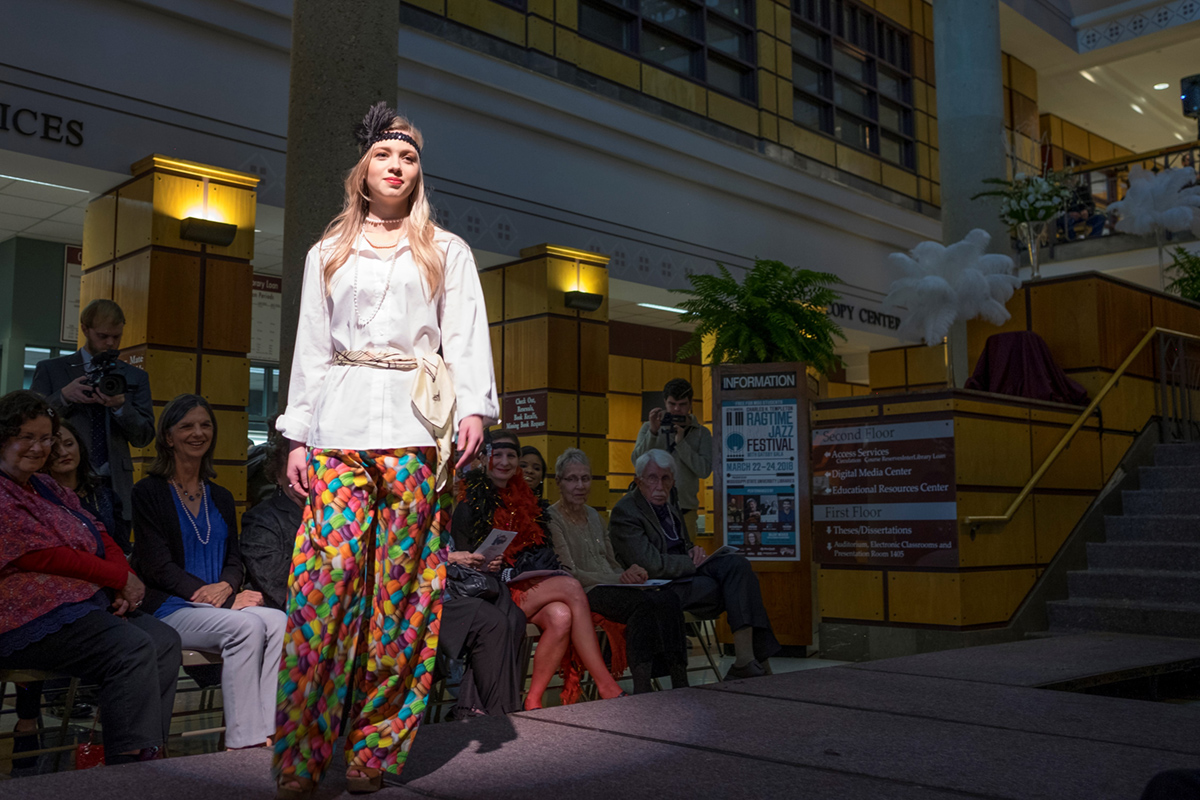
(1145, 578)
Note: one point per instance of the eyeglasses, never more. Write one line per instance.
(655, 480)
(28, 440)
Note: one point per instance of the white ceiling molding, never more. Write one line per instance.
(1103, 29)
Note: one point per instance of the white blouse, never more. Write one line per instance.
(346, 407)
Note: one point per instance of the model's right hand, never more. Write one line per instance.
(77, 391)
(656, 418)
(297, 466)
(472, 560)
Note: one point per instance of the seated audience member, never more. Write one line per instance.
(70, 466)
(647, 530)
(533, 469)
(490, 499)
(486, 631)
(653, 618)
(186, 546)
(69, 602)
(269, 533)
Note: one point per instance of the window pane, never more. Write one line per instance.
(851, 97)
(891, 83)
(853, 131)
(810, 77)
(604, 26)
(726, 78)
(258, 392)
(893, 117)
(670, 53)
(809, 113)
(893, 149)
(728, 39)
(673, 15)
(732, 8)
(32, 356)
(850, 64)
(808, 43)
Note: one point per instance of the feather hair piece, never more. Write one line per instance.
(374, 124)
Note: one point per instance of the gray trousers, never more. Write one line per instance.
(250, 642)
(135, 661)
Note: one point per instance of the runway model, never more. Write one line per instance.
(371, 414)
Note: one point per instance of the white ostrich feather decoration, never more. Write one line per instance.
(946, 284)
(1162, 201)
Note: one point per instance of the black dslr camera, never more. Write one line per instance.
(669, 423)
(102, 374)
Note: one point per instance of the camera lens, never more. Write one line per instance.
(111, 385)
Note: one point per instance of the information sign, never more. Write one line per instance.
(760, 477)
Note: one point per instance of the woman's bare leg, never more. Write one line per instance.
(567, 591)
(554, 621)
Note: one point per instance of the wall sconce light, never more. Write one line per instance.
(206, 231)
(584, 301)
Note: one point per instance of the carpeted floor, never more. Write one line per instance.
(968, 723)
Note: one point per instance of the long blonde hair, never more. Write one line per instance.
(346, 226)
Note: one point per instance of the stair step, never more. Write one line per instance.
(1170, 556)
(1122, 616)
(1161, 501)
(1179, 477)
(1153, 528)
(1175, 454)
(1159, 586)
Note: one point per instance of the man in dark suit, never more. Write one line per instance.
(647, 529)
(107, 424)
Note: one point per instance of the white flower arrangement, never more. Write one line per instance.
(1030, 199)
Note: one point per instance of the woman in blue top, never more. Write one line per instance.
(186, 546)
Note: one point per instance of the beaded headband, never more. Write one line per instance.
(374, 128)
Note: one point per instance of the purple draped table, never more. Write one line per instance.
(1020, 364)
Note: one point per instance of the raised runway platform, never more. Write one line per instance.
(963, 723)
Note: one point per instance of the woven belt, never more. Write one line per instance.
(432, 395)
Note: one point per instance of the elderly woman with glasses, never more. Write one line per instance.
(655, 641)
(68, 599)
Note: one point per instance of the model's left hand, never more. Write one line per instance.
(470, 438)
(111, 401)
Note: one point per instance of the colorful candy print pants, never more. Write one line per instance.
(364, 608)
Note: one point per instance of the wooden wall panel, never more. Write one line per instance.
(624, 374)
(991, 452)
(990, 597)
(176, 198)
(496, 334)
(95, 285)
(1113, 447)
(228, 300)
(1125, 316)
(560, 278)
(232, 428)
(173, 309)
(525, 355)
(924, 598)
(597, 453)
(1077, 467)
(492, 283)
(1065, 315)
(656, 374)
(593, 415)
(237, 206)
(699, 384)
(594, 278)
(850, 594)
(887, 369)
(100, 230)
(149, 450)
(978, 330)
(525, 289)
(234, 478)
(562, 412)
(624, 416)
(926, 365)
(593, 358)
(131, 291)
(995, 545)
(563, 367)
(1056, 516)
(620, 458)
(225, 380)
(135, 213)
(172, 373)
(1172, 314)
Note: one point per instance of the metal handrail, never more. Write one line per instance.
(979, 520)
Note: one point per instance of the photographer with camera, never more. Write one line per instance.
(104, 398)
(676, 430)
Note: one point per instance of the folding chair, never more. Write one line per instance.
(705, 631)
(15, 676)
(208, 698)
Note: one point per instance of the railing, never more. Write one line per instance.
(1179, 388)
(1088, 217)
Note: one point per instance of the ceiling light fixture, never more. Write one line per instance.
(207, 231)
(43, 183)
(1158, 87)
(1087, 75)
(663, 308)
(1136, 108)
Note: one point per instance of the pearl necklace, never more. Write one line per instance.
(386, 286)
(192, 517)
(378, 221)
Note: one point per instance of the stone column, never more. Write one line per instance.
(344, 59)
(970, 107)
(552, 360)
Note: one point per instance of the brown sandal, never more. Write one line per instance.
(368, 780)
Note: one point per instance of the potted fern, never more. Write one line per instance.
(1186, 268)
(776, 314)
